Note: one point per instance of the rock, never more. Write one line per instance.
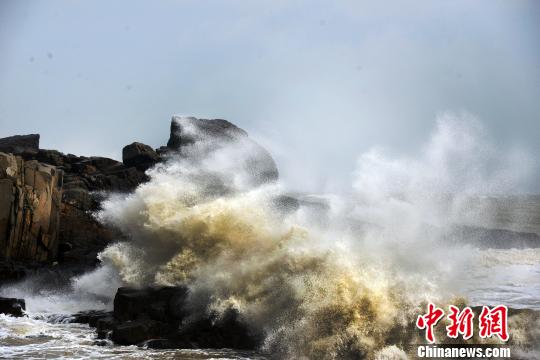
(91, 317)
(52, 157)
(102, 342)
(103, 321)
(224, 331)
(65, 247)
(218, 135)
(48, 197)
(12, 271)
(159, 313)
(30, 195)
(85, 234)
(85, 183)
(159, 344)
(189, 130)
(158, 303)
(139, 155)
(137, 331)
(78, 197)
(19, 144)
(12, 306)
(104, 325)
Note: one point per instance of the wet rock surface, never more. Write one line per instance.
(156, 317)
(12, 306)
(216, 135)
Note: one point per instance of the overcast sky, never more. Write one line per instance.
(318, 83)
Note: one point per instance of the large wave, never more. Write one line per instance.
(321, 276)
(330, 277)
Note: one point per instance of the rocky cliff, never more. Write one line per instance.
(47, 198)
(30, 194)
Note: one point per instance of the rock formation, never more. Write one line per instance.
(30, 194)
(12, 306)
(20, 144)
(139, 155)
(47, 198)
(156, 317)
(216, 134)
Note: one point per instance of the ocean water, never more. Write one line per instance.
(45, 337)
(331, 277)
(508, 276)
(499, 276)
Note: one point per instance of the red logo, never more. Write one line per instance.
(460, 323)
(494, 322)
(490, 322)
(429, 321)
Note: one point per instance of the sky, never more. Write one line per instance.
(316, 82)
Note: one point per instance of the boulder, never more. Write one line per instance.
(186, 130)
(158, 303)
(134, 332)
(19, 144)
(217, 332)
(141, 316)
(12, 306)
(207, 136)
(139, 155)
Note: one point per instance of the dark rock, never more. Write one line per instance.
(85, 234)
(78, 197)
(11, 271)
(104, 323)
(159, 303)
(52, 157)
(12, 306)
(140, 156)
(103, 334)
(225, 331)
(65, 247)
(19, 144)
(48, 197)
(133, 332)
(159, 314)
(102, 342)
(217, 134)
(162, 151)
(90, 317)
(160, 344)
(120, 179)
(188, 130)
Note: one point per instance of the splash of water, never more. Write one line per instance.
(334, 277)
(330, 278)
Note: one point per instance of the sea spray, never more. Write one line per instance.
(321, 276)
(348, 285)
